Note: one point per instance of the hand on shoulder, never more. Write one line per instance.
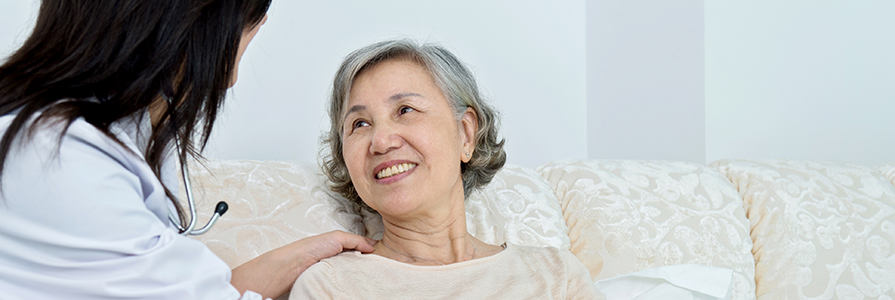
(273, 273)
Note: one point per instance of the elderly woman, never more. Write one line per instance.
(411, 137)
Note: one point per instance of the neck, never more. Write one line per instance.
(435, 239)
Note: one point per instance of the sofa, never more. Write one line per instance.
(789, 229)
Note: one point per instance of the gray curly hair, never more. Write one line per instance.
(458, 86)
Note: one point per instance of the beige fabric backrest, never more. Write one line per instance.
(274, 203)
(887, 170)
(271, 204)
(821, 230)
(625, 216)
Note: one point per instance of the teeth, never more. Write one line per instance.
(395, 170)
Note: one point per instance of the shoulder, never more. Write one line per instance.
(570, 274)
(543, 251)
(76, 151)
(78, 168)
(58, 134)
(71, 157)
(558, 260)
(548, 253)
(332, 267)
(325, 279)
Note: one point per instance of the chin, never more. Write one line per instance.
(395, 207)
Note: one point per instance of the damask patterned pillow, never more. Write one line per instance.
(517, 206)
(629, 215)
(822, 230)
(271, 204)
(888, 170)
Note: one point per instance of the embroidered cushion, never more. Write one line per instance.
(271, 204)
(887, 170)
(822, 230)
(630, 215)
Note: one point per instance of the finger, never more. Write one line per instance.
(356, 242)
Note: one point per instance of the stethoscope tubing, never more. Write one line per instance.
(220, 209)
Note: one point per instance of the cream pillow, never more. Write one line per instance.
(271, 204)
(517, 206)
(822, 230)
(888, 170)
(630, 215)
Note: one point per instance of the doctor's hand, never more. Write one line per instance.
(272, 274)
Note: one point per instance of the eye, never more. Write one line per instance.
(405, 109)
(359, 123)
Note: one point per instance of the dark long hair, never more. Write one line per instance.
(111, 59)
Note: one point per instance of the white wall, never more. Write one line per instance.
(645, 84)
(527, 55)
(800, 80)
(796, 79)
(16, 20)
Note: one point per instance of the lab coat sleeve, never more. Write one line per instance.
(89, 222)
(250, 295)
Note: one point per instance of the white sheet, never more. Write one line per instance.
(675, 282)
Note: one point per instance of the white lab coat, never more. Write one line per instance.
(90, 222)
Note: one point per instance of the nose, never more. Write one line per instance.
(385, 139)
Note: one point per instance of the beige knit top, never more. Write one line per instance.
(515, 273)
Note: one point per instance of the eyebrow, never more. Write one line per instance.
(394, 97)
(355, 108)
(404, 95)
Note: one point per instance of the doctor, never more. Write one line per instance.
(95, 109)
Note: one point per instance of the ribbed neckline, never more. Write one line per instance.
(398, 264)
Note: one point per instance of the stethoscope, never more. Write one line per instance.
(219, 209)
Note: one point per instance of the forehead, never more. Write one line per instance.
(387, 79)
(390, 74)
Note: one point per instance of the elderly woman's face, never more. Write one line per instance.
(402, 144)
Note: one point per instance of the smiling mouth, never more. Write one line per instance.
(395, 170)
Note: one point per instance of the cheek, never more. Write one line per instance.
(354, 159)
(443, 144)
(449, 135)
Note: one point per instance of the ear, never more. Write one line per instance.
(469, 125)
